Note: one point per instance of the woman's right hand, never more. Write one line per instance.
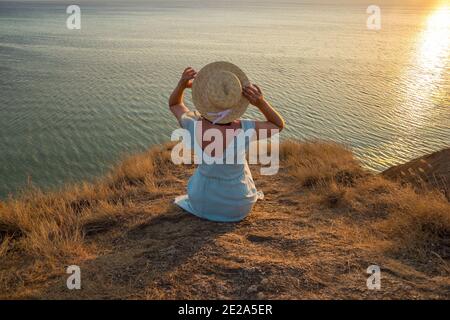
(187, 78)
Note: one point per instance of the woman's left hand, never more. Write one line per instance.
(253, 94)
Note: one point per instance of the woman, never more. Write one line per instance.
(221, 92)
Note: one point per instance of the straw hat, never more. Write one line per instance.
(217, 92)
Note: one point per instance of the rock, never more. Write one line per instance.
(260, 296)
(252, 289)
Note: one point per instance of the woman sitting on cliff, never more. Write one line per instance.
(221, 92)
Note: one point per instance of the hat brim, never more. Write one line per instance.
(199, 91)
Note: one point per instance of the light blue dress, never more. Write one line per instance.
(220, 192)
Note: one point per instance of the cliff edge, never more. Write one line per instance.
(323, 222)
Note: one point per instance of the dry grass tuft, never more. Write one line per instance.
(420, 224)
(319, 163)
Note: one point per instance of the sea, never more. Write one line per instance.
(73, 102)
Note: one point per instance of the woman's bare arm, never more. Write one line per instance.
(176, 103)
(274, 120)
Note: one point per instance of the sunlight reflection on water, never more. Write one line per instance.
(423, 80)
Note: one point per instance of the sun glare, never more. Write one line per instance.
(426, 75)
(430, 62)
(436, 39)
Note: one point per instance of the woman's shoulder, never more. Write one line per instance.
(189, 118)
(192, 115)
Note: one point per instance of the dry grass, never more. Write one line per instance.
(319, 163)
(417, 220)
(52, 224)
(418, 225)
(342, 206)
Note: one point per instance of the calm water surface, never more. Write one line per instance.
(73, 102)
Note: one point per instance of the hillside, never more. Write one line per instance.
(429, 171)
(323, 221)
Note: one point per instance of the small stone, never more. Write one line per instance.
(260, 296)
(264, 281)
(252, 289)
